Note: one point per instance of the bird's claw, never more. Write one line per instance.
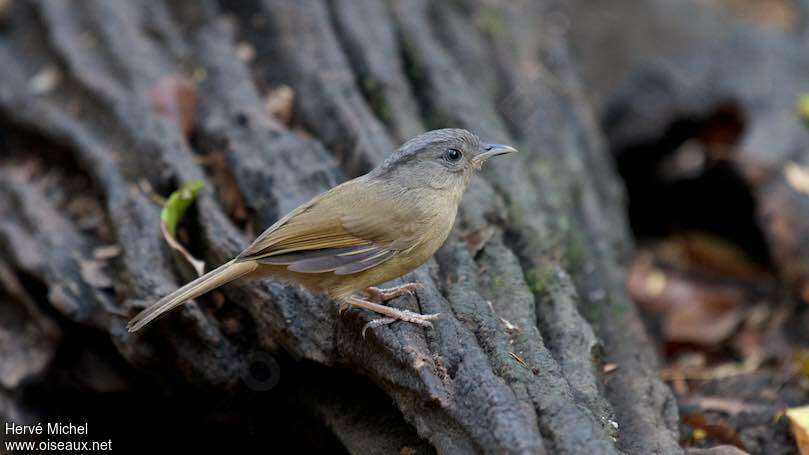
(383, 295)
(403, 315)
(376, 323)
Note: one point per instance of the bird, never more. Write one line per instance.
(361, 233)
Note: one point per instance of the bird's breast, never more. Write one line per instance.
(434, 231)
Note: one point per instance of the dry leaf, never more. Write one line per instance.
(691, 311)
(5, 7)
(797, 177)
(106, 252)
(705, 318)
(718, 429)
(199, 265)
(728, 406)
(175, 98)
(93, 273)
(799, 423)
(802, 361)
(279, 103)
(717, 450)
(772, 14)
(476, 239)
(655, 283)
(699, 371)
(710, 255)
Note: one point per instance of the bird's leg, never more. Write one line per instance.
(383, 295)
(391, 314)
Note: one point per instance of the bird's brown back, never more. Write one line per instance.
(361, 233)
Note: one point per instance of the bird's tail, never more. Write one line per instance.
(211, 280)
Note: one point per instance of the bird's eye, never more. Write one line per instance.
(452, 155)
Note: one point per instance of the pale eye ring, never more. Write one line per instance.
(452, 155)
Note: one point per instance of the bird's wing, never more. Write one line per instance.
(348, 229)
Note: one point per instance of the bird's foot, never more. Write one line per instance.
(391, 314)
(376, 323)
(383, 295)
(405, 315)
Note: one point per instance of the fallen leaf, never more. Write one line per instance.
(717, 450)
(797, 177)
(802, 107)
(174, 209)
(802, 361)
(197, 264)
(727, 406)
(655, 283)
(749, 343)
(279, 103)
(799, 423)
(106, 252)
(5, 7)
(721, 371)
(178, 202)
(93, 273)
(704, 318)
(693, 366)
(476, 239)
(709, 255)
(718, 429)
(691, 311)
(175, 98)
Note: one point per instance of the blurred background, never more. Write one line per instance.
(635, 281)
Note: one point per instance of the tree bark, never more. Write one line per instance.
(530, 285)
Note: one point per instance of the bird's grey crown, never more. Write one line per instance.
(444, 137)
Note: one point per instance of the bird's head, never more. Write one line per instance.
(440, 159)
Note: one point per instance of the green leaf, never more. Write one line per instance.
(177, 204)
(802, 107)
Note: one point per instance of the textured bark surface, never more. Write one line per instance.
(530, 285)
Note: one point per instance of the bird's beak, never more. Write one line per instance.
(490, 150)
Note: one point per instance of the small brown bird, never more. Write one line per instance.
(366, 231)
